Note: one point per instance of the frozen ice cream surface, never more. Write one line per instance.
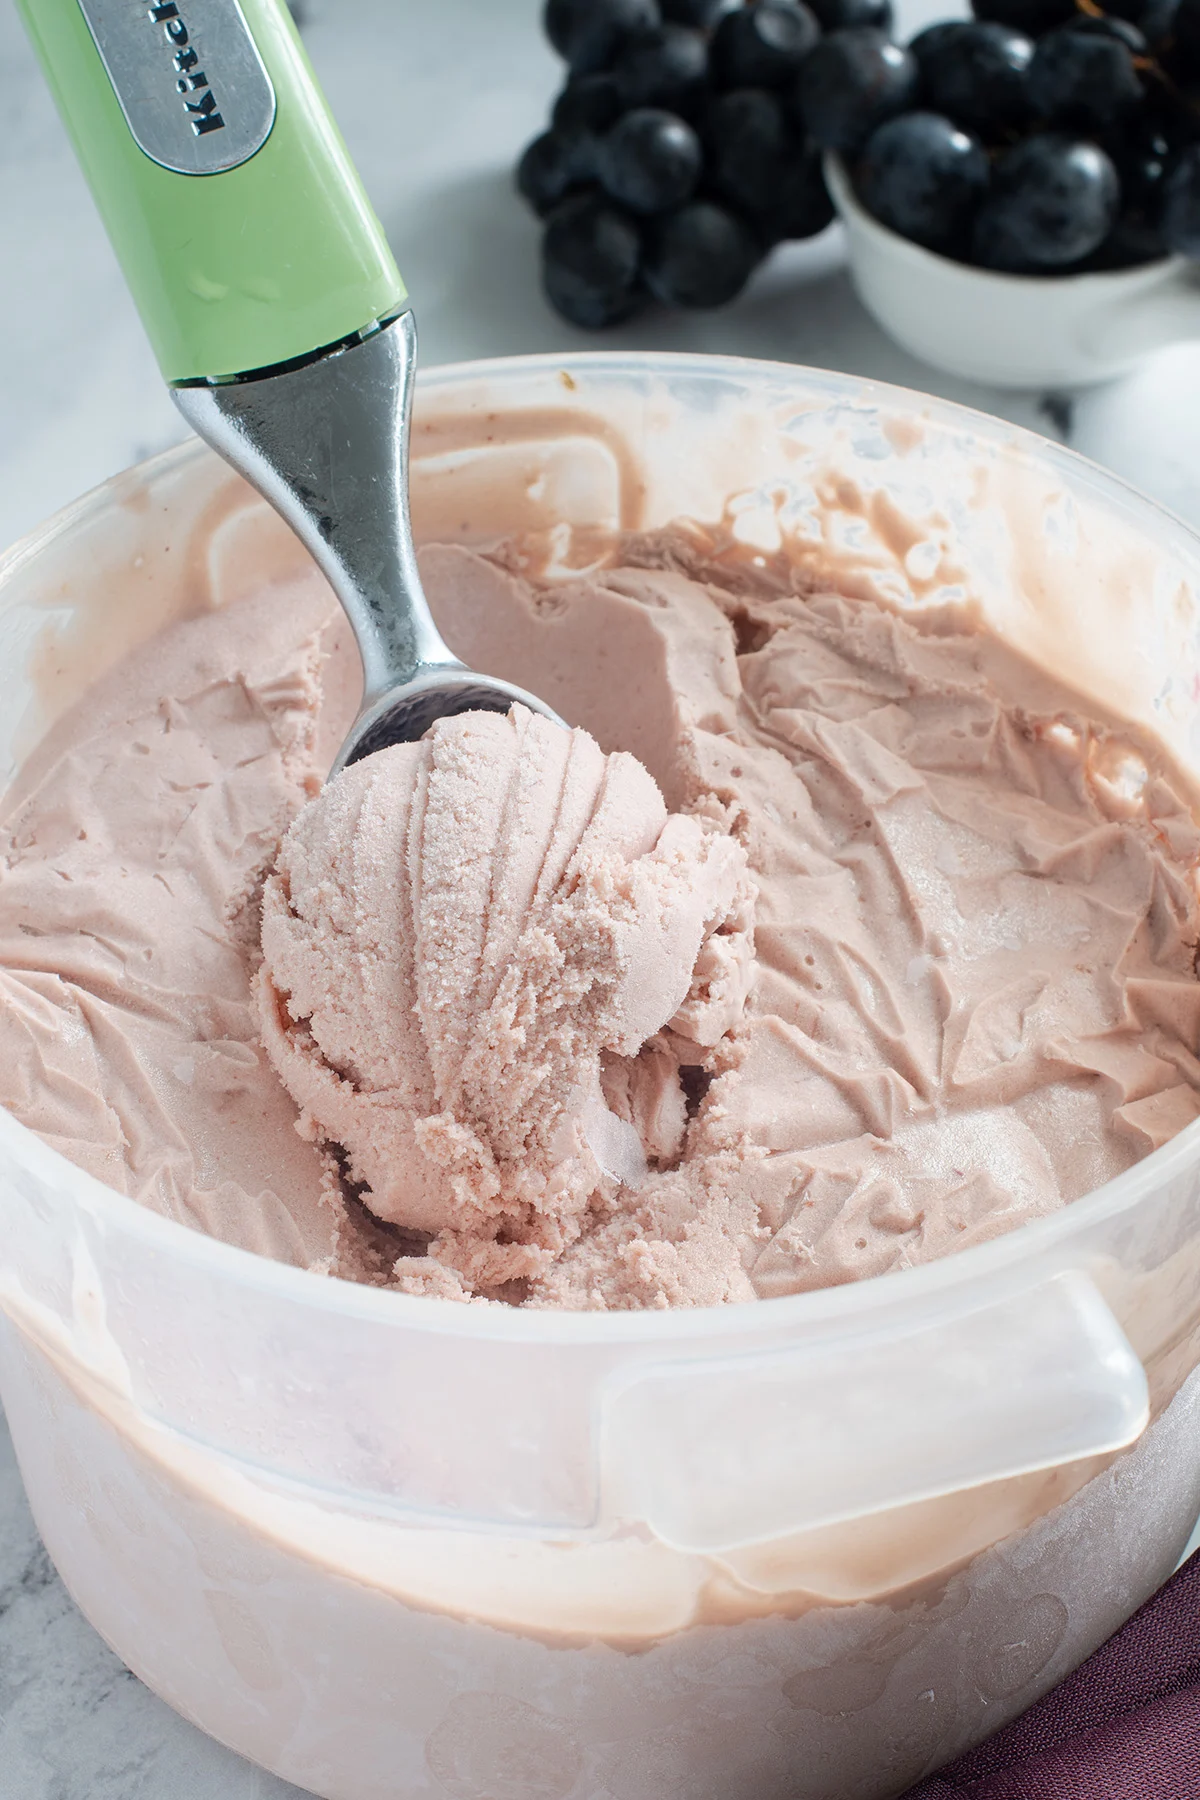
(502, 994)
(466, 941)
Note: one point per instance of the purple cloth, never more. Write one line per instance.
(1124, 1726)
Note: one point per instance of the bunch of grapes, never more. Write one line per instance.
(678, 153)
(1039, 137)
(1045, 137)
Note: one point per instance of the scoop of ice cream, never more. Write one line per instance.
(467, 942)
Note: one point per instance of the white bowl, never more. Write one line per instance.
(1013, 331)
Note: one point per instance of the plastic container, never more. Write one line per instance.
(811, 1548)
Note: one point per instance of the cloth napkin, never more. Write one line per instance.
(1124, 1726)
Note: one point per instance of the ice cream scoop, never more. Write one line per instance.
(272, 300)
(327, 444)
(469, 945)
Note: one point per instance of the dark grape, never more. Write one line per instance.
(1142, 155)
(801, 205)
(851, 83)
(978, 75)
(1181, 205)
(923, 177)
(587, 106)
(1083, 80)
(1155, 19)
(590, 256)
(588, 33)
(853, 15)
(665, 67)
(593, 309)
(750, 145)
(650, 161)
(1053, 201)
(548, 171)
(1129, 244)
(1187, 35)
(1030, 16)
(700, 14)
(763, 45)
(1175, 107)
(757, 164)
(1121, 29)
(933, 37)
(702, 255)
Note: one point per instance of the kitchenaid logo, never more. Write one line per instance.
(200, 103)
(195, 92)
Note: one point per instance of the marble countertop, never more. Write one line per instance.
(436, 102)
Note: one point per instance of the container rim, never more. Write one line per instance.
(1036, 1243)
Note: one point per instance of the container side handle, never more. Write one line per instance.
(718, 1455)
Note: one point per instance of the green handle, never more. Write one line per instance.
(232, 268)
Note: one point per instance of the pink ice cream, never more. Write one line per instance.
(505, 990)
(467, 942)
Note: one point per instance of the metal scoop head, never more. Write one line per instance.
(325, 440)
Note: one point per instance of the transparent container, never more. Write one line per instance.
(809, 1548)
